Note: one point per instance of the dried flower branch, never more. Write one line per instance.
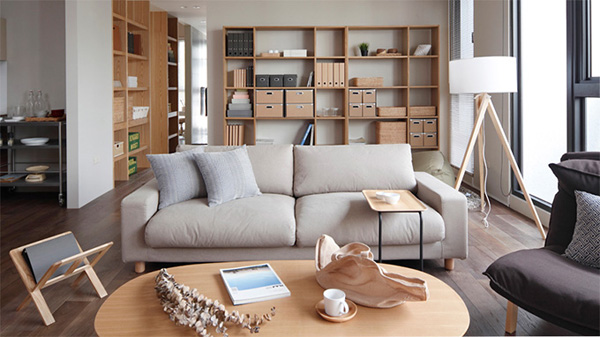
(187, 307)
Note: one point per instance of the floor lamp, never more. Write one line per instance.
(481, 76)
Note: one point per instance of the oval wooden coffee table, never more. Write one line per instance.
(134, 309)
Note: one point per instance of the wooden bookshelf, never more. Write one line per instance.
(131, 17)
(409, 81)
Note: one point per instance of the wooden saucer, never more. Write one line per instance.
(352, 309)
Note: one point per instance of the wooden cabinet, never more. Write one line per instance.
(165, 84)
(401, 81)
(131, 88)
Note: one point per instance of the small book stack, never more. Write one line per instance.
(239, 78)
(235, 134)
(240, 105)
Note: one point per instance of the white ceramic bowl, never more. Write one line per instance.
(391, 198)
(380, 195)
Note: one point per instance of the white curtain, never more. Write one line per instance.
(462, 107)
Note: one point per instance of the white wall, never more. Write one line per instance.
(492, 38)
(324, 13)
(88, 100)
(35, 50)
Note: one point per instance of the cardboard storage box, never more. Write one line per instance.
(262, 80)
(355, 110)
(415, 125)
(269, 110)
(269, 96)
(299, 110)
(416, 139)
(368, 109)
(290, 80)
(366, 82)
(276, 80)
(132, 165)
(118, 149)
(430, 125)
(430, 139)
(134, 141)
(390, 132)
(369, 96)
(298, 96)
(354, 96)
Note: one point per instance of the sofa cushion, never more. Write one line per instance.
(262, 221)
(575, 174)
(347, 218)
(227, 175)
(549, 285)
(585, 245)
(326, 169)
(273, 166)
(434, 163)
(178, 176)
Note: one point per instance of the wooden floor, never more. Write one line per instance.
(29, 217)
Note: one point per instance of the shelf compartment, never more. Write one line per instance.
(393, 71)
(424, 72)
(21, 166)
(52, 143)
(330, 131)
(378, 37)
(424, 35)
(51, 180)
(282, 38)
(330, 42)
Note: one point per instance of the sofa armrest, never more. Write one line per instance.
(136, 209)
(452, 206)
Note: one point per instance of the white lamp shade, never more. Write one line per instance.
(483, 74)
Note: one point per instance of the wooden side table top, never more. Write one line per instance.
(407, 203)
(134, 309)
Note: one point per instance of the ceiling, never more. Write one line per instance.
(192, 12)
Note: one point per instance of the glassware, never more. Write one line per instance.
(39, 110)
(29, 104)
(335, 111)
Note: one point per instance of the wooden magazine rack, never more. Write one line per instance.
(75, 268)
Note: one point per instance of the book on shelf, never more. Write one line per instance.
(307, 138)
(239, 78)
(310, 80)
(240, 43)
(255, 283)
(235, 133)
(9, 178)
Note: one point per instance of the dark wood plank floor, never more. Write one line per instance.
(29, 217)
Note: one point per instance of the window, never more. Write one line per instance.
(558, 105)
(462, 107)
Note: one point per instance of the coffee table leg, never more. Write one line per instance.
(420, 240)
(380, 259)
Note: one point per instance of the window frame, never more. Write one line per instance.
(580, 83)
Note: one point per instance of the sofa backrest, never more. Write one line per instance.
(345, 168)
(272, 165)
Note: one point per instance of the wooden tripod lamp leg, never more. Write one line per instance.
(472, 139)
(515, 167)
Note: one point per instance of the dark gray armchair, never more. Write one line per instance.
(545, 282)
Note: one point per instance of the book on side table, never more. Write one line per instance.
(255, 283)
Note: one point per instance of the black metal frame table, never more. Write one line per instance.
(408, 203)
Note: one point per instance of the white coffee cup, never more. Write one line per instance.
(335, 302)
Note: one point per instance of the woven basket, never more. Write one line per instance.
(421, 111)
(118, 109)
(366, 82)
(391, 111)
(390, 132)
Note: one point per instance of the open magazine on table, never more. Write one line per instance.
(253, 284)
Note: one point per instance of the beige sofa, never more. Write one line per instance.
(306, 191)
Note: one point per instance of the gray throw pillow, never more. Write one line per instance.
(227, 175)
(585, 245)
(179, 178)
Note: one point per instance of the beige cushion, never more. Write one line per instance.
(347, 218)
(261, 221)
(272, 165)
(326, 169)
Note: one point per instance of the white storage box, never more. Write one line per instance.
(295, 53)
(140, 112)
(132, 81)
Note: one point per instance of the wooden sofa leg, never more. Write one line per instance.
(511, 317)
(449, 264)
(140, 267)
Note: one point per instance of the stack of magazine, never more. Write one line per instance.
(253, 284)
